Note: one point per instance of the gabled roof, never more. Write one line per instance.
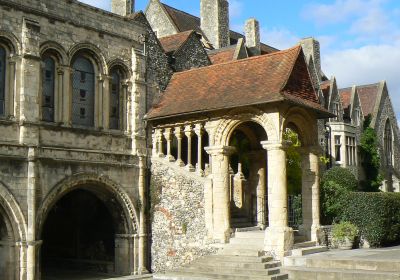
(281, 76)
(222, 55)
(266, 49)
(174, 42)
(368, 95)
(345, 97)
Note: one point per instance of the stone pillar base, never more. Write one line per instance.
(305, 230)
(317, 234)
(279, 241)
(222, 237)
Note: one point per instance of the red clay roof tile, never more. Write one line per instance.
(368, 95)
(174, 42)
(222, 55)
(263, 79)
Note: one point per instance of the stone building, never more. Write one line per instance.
(139, 141)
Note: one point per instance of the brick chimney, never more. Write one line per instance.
(123, 7)
(252, 32)
(215, 22)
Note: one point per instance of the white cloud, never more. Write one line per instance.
(367, 65)
(340, 10)
(102, 4)
(280, 38)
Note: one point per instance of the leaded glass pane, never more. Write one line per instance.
(2, 79)
(114, 99)
(83, 92)
(48, 83)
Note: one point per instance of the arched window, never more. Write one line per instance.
(83, 92)
(48, 84)
(115, 89)
(387, 139)
(2, 80)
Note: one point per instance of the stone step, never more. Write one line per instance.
(246, 240)
(190, 275)
(309, 250)
(236, 264)
(241, 233)
(232, 270)
(307, 273)
(252, 229)
(305, 244)
(299, 239)
(241, 250)
(237, 259)
(357, 264)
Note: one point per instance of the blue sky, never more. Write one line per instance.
(360, 39)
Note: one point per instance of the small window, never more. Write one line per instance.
(388, 144)
(82, 112)
(48, 88)
(115, 99)
(337, 147)
(83, 77)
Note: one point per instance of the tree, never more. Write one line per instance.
(370, 159)
(293, 163)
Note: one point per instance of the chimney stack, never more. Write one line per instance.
(214, 16)
(123, 7)
(252, 32)
(311, 49)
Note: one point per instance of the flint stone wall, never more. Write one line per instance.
(179, 233)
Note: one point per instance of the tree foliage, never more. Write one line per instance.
(370, 159)
(293, 163)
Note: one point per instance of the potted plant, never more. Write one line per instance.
(344, 234)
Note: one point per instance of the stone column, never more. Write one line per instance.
(142, 264)
(105, 109)
(189, 134)
(58, 97)
(221, 191)
(179, 135)
(135, 254)
(315, 193)
(124, 115)
(168, 137)
(259, 160)
(11, 88)
(160, 143)
(98, 103)
(278, 236)
(310, 193)
(199, 132)
(67, 98)
(155, 143)
(32, 243)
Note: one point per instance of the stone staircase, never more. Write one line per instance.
(323, 266)
(242, 258)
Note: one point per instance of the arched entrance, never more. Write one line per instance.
(86, 233)
(248, 173)
(6, 253)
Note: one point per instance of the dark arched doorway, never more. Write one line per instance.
(79, 236)
(4, 249)
(248, 167)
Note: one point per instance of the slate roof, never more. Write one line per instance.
(281, 76)
(222, 55)
(368, 95)
(173, 42)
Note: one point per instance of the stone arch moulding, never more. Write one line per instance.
(117, 62)
(12, 209)
(57, 49)
(92, 50)
(13, 42)
(75, 182)
(304, 122)
(237, 116)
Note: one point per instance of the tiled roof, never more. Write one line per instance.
(174, 42)
(183, 20)
(263, 79)
(222, 55)
(345, 97)
(368, 95)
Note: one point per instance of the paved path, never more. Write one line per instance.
(390, 253)
(76, 275)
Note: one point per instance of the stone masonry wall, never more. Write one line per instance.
(191, 55)
(159, 20)
(178, 227)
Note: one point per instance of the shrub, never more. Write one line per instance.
(344, 230)
(342, 177)
(377, 215)
(336, 184)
